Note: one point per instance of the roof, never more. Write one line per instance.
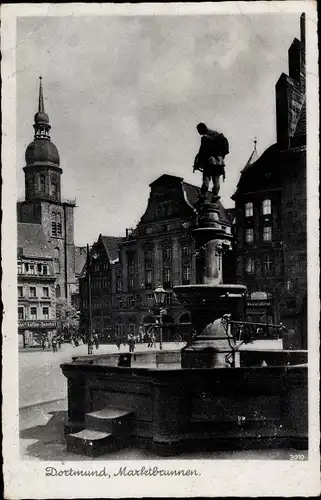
(253, 158)
(111, 244)
(80, 259)
(32, 241)
(165, 178)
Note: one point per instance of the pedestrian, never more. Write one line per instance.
(96, 340)
(153, 340)
(76, 341)
(43, 342)
(59, 340)
(54, 343)
(118, 343)
(131, 343)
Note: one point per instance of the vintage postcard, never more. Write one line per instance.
(160, 250)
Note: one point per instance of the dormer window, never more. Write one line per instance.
(249, 209)
(266, 207)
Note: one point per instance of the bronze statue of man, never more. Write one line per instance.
(210, 160)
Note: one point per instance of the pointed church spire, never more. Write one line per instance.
(41, 108)
(41, 124)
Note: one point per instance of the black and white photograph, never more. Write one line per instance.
(160, 250)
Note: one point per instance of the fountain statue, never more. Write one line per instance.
(209, 299)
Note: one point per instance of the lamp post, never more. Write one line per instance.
(159, 297)
(90, 259)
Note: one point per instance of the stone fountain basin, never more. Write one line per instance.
(177, 410)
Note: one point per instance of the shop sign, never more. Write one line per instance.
(259, 303)
(37, 324)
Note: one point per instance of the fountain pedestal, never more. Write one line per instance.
(209, 299)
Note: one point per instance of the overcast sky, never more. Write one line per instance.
(124, 95)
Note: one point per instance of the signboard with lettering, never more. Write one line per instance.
(37, 324)
(259, 303)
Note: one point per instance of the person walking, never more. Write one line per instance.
(54, 343)
(43, 342)
(131, 343)
(118, 343)
(96, 340)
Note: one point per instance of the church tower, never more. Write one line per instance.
(43, 203)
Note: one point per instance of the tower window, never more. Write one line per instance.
(267, 233)
(266, 207)
(54, 189)
(57, 261)
(249, 209)
(249, 235)
(42, 183)
(53, 224)
(249, 267)
(59, 227)
(21, 313)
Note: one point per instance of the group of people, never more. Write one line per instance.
(132, 340)
(55, 343)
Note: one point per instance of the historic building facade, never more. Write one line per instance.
(270, 211)
(159, 251)
(36, 286)
(43, 203)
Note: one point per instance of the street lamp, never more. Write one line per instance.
(90, 259)
(159, 297)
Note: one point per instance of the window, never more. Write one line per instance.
(58, 292)
(118, 285)
(168, 299)
(150, 299)
(167, 253)
(20, 291)
(249, 266)
(45, 292)
(186, 274)
(267, 233)
(45, 312)
(54, 189)
(131, 301)
(266, 207)
(167, 275)
(31, 269)
(39, 268)
(42, 183)
(19, 268)
(26, 268)
(53, 224)
(186, 250)
(21, 313)
(32, 291)
(149, 277)
(148, 256)
(267, 264)
(131, 283)
(59, 227)
(33, 313)
(57, 260)
(249, 235)
(45, 270)
(249, 209)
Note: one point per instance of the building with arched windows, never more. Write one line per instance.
(44, 205)
(271, 208)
